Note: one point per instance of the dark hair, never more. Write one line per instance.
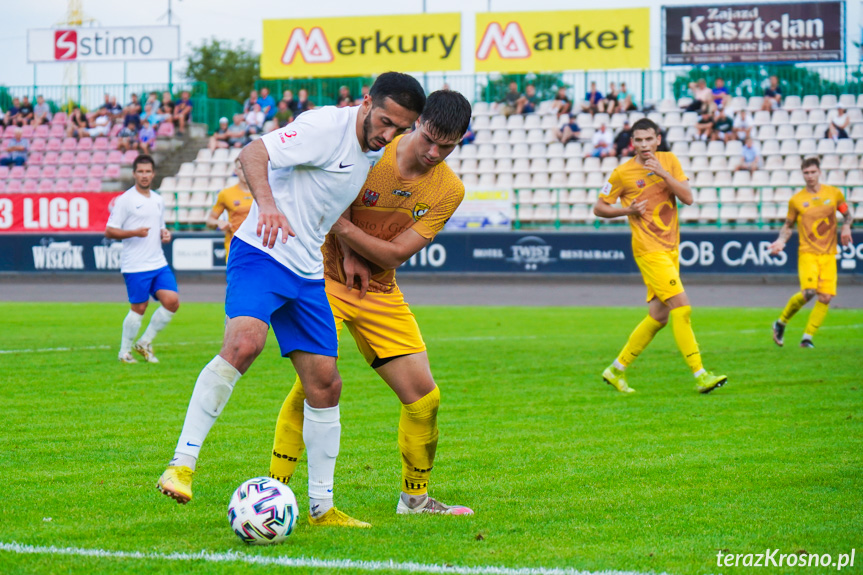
(402, 89)
(143, 159)
(645, 124)
(447, 114)
(807, 162)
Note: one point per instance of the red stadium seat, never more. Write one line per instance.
(38, 145)
(82, 158)
(27, 131)
(41, 131)
(67, 157)
(57, 131)
(97, 171)
(61, 186)
(64, 172)
(69, 144)
(85, 144)
(113, 143)
(29, 186)
(93, 185)
(51, 158)
(17, 172)
(45, 186)
(13, 186)
(59, 119)
(2, 186)
(54, 145)
(101, 144)
(81, 171)
(166, 130)
(115, 130)
(112, 172)
(33, 172)
(4, 172)
(78, 185)
(115, 157)
(129, 157)
(99, 158)
(49, 172)
(35, 158)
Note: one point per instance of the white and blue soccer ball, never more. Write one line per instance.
(263, 511)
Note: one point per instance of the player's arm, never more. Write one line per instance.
(254, 159)
(847, 220)
(121, 234)
(213, 220)
(387, 254)
(784, 233)
(680, 188)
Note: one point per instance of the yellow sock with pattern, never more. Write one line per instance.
(288, 444)
(418, 442)
(681, 327)
(793, 306)
(642, 335)
(816, 318)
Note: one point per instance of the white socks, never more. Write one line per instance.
(321, 434)
(131, 325)
(161, 318)
(211, 394)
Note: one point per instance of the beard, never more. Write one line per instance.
(367, 128)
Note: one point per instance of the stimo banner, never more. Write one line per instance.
(361, 45)
(754, 33)
(451, 252)
(521, 42)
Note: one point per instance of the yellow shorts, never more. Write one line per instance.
(818, 272)
(382, 323)
(661, 273)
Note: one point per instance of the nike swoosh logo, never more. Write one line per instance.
(329, 490)
(344, 166)
(139, 207)
(192, 444)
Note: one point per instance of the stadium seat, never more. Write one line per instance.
(486, 166)
(59, 119)
(773, 163)
(576, 179)
(539, 179)
(29, 186)
(552, 121)
(848, 101)
(485, 151)
(699, 163)
(804, 131)
(51, 158)
(698, 148)
(69, 145)
(513, 122)
(746, 196)
(854, 178)
(81, 158)
(591, 165)
(676, 135)
(481, 123)
(779, 117)
(849, 160)
(572, 150)
(807, 147)
(234, 153)
(78, 185)
(574, 165)
(201, 169)
(708, 213)
(100, 157)
(45, 186)
(17, 172)
(761, 118)
(715, 147)
(747, 214)
(680, 148)
(100, 144)
(722, 178)
(49, 172)
(784, 131)
(810, 102)
(32, 172)
(787, 147)
(829, 101)
(468, 166)
(85, 144)
(13, 186)
(836, 178)
(727, 195)
(186, 169)
(535, 136)
(93, 185)
(112, 172)
(80, 171)
(503, 181)
(53, 145)
(97, 171)
(792, 102)
(165, 130)
(778, 178)
(792, 162)
(817, 117)
(825, 147)
(765, 133)
(742, 178)
(829, 162)
(537, 150)
(845, 146)
(38, 145)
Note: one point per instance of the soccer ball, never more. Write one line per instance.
(263, 511)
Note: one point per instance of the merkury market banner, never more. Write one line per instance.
(361, 45)
(520, 42)
(67, 212)
(744, 33)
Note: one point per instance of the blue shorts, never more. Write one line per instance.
(297, 308)
(141, 285)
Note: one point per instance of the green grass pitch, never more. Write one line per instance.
(562, 471)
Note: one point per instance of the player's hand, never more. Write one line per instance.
(141, 232)
(357, 271)
(341, 226)
(166, 236)
(845, 237)
(776, 247)
(638, 208)
(224, 225)
(270, 221)
(654, 166)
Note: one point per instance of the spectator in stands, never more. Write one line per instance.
(303, 102)
(11, 117)
(772, 95)
(344, 99)
(135, 104)
(723, 127)
(115, 110)
(624, 100)
(238, 132)
(561, 104)
(528, 101)
(166, 108)
(146, 137)
(592, 99)
(469, 136)
(663, 141)
(702, 97)
(284, 115)
(182, 112)
(101, 124)
(219, 139)
(602, 142)
(609, 103)
(721, 97)
(250, 101)
(41, 111)
(568, 132)
(255, 120)
(365, 90)
(704, 127)
(77, 123)
(268, 104)
(25, 112)
(129, 134)
(623, 141)
(742, 125)
(839, 122)
(151, 109)
(509, 105)
(288, 98)
(16, 150)
(750, 157)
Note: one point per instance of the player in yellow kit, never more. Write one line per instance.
(649, 186)
(407, 198)
(814, 210)
(237, 201)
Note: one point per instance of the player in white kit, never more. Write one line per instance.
(137, 218)
(303, 177)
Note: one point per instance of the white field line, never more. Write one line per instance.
(307, 562)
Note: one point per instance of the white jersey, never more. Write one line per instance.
(133, 210)
(316, 170)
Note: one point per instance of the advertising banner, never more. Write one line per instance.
(483, 209)
(361, 45)
(150, 43)
(67, 212)
(746, 33)
(521, 42)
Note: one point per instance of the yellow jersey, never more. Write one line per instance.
(237, 203)
(388, 204)
(658, 230)
(815, 214)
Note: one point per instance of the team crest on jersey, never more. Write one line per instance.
(287, 135)
(827, 201)
(805, 204)
(640, 183)
(401, 193)
(370, 198)
(236, 202)
(420, 210)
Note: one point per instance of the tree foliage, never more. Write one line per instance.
(229, 71)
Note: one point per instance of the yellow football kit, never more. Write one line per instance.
(237, 203)
(815, 214)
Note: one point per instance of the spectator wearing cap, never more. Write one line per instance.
(41, 111)
(268, 104)
(182, 112)
(16, 150)
(219, 139)
(839, 122)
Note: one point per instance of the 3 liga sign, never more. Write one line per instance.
(148, 43)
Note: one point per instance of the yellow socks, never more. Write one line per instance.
(638, 340)
(793, 306)
(816, 318)
(685, 338)
(418, 436)
(288, 444)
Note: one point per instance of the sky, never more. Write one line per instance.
(234, 20)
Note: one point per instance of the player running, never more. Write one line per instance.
(649, 186)
(406, 200)
(814, 210)
(138, 219)
(303, 177)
